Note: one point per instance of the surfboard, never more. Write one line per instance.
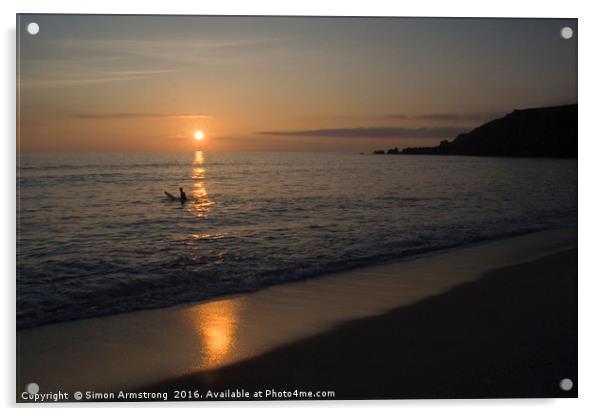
(172, 197)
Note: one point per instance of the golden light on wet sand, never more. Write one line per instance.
(215, 324)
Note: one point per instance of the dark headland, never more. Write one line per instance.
(533, 132)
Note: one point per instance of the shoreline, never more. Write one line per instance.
(144, 347)
(481, 339)
(409, 255)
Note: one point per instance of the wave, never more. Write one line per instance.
(96, 236)
(121, 289)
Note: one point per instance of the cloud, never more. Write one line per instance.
(475, 116)
(61, 78)
(376, 132)
(182, 53)
(104, 116)
(159, 46)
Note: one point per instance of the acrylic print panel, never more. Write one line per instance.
(316, 208)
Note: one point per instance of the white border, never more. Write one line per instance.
(590, 177)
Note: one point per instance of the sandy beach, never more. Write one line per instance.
(489, 320)
(510, 334)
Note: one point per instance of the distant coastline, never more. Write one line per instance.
(533, 132)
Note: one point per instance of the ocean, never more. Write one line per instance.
(96, 234)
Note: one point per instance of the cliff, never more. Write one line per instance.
(534, 132)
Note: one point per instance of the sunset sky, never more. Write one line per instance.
(147, 83)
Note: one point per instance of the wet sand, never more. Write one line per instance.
(512, 333)
(199, 345)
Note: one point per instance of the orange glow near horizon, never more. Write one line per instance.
(256, 84)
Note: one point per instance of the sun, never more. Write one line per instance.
(199, 135)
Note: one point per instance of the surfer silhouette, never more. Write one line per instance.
(182, 197)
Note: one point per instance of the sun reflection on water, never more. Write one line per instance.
(202, 202)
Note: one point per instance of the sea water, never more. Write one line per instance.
(96, 234)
